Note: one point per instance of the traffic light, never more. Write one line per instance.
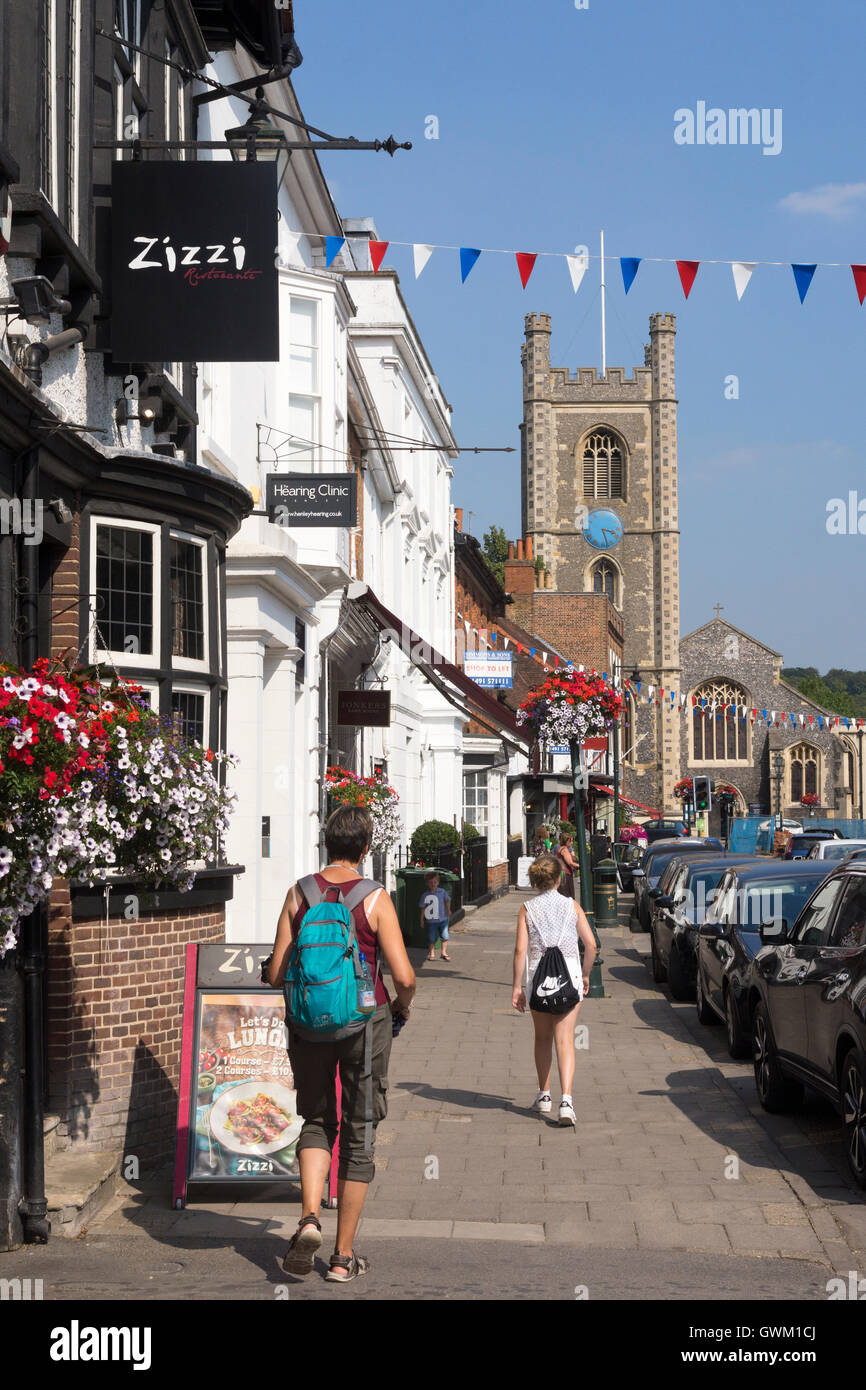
(703, 794)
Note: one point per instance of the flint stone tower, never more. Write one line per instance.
(590, 443)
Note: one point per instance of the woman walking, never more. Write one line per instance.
(543, 922)
(565, 855)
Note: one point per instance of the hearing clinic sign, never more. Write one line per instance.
(312, 499)
(193, 275)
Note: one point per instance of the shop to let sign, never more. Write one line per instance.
(312, 499)
(491, 669)
(193, 275)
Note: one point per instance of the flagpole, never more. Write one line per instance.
(603, 332)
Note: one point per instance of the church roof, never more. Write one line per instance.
(723, 622)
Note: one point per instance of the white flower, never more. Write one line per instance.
(83, 739)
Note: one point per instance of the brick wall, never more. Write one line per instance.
(497, 877)
(65, 589)
(113, 1025)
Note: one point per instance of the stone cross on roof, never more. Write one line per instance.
(719, 607)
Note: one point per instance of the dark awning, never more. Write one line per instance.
(437, 669)
(265, 31)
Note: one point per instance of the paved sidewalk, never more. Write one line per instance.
(472, 1188)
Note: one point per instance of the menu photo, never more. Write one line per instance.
(246, 1120)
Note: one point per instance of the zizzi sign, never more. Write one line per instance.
(312, 499)
(193, 275)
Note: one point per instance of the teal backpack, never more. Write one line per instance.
(328, 988)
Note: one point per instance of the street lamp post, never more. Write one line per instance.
(578, 777)
(778, 774)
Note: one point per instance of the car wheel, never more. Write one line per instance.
(706, 1014)
(776, 1091)
(681, 985)
(659, 972)
(739, 1043)
(854, 1116)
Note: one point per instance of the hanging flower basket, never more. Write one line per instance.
(569, 707)
(683, 788)
(810, 799)
(92, 782)
(376, 797)
(725, 792)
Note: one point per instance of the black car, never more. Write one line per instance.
(799, 845)
(729, 937)
(646, 878)
(665, 829)
(686, 892)
(807, 994)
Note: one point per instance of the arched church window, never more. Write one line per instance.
(720, 734)
(604, 579)
(603, 474)
(804, 770)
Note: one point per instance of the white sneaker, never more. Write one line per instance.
(542, 1105)
(566, 1113)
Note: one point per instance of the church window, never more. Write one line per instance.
(804, 771)
(602, 467)
(720, 735)
(604, 580)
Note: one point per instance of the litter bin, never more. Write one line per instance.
(410, 886)
(604, 899)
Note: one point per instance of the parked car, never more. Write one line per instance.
(628, 856)
(729, 937)
(799, 845)
(807, 995)
(645, 878)
(834, 850)
(665, 829)
(795, 826)
(686, 891)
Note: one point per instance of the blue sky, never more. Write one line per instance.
(555, 122)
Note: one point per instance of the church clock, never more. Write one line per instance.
(602, 529)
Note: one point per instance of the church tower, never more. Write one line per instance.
(592, 444)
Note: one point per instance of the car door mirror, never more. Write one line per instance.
(655, 892)
(663, 899)
(710, 929)
(772, 933)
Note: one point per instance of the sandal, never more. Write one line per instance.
(353, 1265)
(303, 1246)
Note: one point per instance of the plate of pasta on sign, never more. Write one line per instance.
(255, 1118)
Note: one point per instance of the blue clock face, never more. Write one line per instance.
(602, 529)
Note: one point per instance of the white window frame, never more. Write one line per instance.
(188, 663)
(190, 688)
(474, 772)
(314, 397)
(122, 658)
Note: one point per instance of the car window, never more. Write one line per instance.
(782, 900)
(849, 928)
(724, 903)
(813, 923)
(678, 883)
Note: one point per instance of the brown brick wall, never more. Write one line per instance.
(497, 876)
(113, 1024)
(66, 588)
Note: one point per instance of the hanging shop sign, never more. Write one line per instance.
(193, 269)
(312, 499)
(238, 1118)
(495, 670)
(369, 709)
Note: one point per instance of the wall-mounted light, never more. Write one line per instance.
(261, 139)
(61, 510)
(35, 299)
(149, 408)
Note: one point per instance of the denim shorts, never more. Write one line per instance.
(435, 929)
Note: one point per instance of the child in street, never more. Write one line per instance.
(435, 911)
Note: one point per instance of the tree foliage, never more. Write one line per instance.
(495, 551)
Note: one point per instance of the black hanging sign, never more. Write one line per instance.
(193, 275)
(312, 499)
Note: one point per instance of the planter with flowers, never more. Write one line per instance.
(632, 834)
(346, 788)
(683, 788)
(93, 783)
(810, 800)
(570, 707)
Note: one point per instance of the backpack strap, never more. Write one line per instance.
(359, 891)
(313, 894)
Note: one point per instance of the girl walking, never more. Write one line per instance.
(546, 921)
(565, 855)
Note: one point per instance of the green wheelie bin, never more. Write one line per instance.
(410, 887)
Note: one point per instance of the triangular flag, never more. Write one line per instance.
(577, 266)
(860, 280)
(525, 264)
(803, 278)
(493, 636)
(628, 266)
(468, 256)
(742, 275)
(333, 246)
(532, 651)
(377, 252)
(421, 255)
(688, 270)
(544, 657)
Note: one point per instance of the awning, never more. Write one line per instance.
(441, 673)
(654, 810)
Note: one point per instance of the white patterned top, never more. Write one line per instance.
(552, 921)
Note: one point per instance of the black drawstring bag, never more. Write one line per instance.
(552, 989)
